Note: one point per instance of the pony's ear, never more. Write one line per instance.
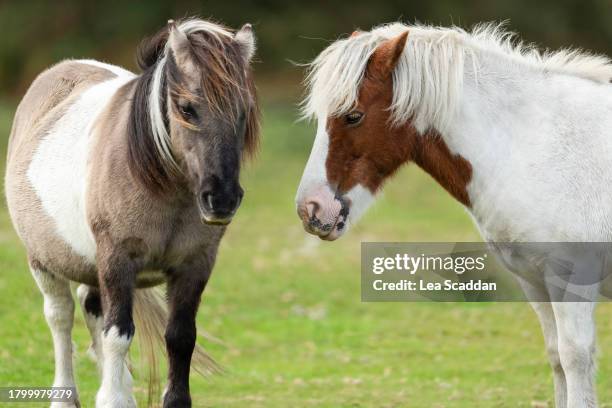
(179, 43)
(385, 57)
(246, 39)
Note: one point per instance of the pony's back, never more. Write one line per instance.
(48, 96)
(53, 93)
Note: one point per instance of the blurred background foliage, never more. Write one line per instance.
(38, 33)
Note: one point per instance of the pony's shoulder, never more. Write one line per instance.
(54, 89)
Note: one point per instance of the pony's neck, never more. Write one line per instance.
(451, 171)
(507, 127)
(492, 101)
(500, 101)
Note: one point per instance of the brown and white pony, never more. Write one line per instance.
(521, 139)
(121, 182)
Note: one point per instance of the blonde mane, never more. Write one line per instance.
(428, 79)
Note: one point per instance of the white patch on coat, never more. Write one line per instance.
(116, 388)
(58, 171)
(361, 199)
(540, 151)
(315, 174)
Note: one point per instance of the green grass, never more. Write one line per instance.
(288, 308)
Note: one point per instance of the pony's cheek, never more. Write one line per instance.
(189, 162)
(360, 172)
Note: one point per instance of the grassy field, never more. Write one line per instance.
(288, 309)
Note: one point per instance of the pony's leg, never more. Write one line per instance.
(89, 298)
(574, 293)
(91, 304)
(546, 316)
(117, 273)
(185, 287)
(576, 336)
(59, 313)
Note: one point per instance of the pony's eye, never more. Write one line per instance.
(187, 111)
(353, 118)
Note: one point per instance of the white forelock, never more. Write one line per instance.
(428, 79)
(160, 133)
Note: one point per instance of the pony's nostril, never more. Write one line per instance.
(239, 198)
(220, 205)
(207, 199)
(312, 208)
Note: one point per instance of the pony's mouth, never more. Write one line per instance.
(212, 220)
(211, 217)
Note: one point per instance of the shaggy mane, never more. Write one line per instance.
(226, 84)
(428, 79)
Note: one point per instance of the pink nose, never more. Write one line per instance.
(320, 211)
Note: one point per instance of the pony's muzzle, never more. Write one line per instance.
(219, 207)
(324, 214)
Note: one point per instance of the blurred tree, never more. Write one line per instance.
(38, 33)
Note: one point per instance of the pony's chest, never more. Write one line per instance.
(187, 238)
(182, 247)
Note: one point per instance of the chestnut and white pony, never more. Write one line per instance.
(522, 139)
